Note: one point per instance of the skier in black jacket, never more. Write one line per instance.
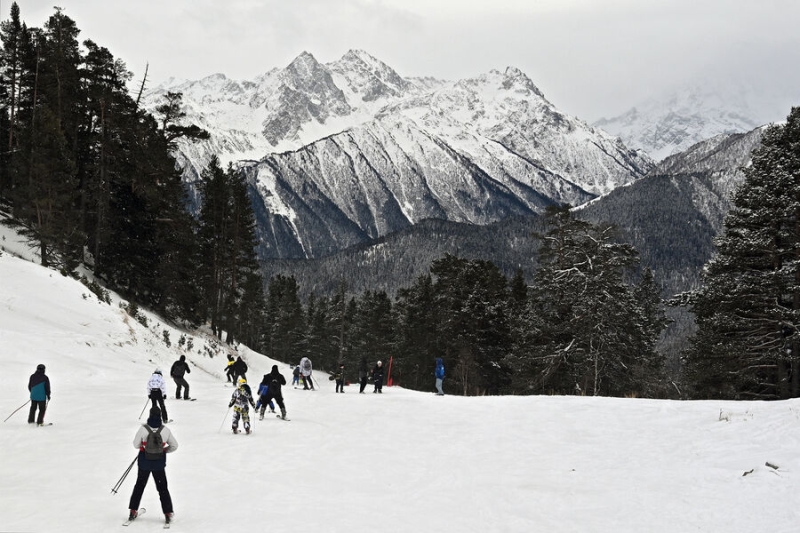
(377, 377)
(239, 370)
(274, 380)
(179, 368)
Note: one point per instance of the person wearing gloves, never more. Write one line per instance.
(273, 381)
(241, 400)
(150, 462)
(157, 391)
(39, 387)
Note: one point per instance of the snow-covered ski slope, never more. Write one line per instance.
(402, 461)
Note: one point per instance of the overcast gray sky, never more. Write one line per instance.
(591, 58)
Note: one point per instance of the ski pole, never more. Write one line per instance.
(17, 409)
(143, 408)
(224, 419)
(119, 483)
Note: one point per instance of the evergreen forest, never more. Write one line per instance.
(91, 179)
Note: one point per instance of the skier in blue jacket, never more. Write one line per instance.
(439, 373)
(39, 385)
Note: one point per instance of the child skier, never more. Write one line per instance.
(296, 376)
(157, 391)
(240, 399)
(263, 388)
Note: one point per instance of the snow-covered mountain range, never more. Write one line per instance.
(342, 152)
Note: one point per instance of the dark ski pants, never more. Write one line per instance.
(160, 477)
(158, 401)
(378, 384)
(42, 405)
(180, 382)
(262, 401)
(363, 383)
(307, 381)
(267, 398)
(339, 385)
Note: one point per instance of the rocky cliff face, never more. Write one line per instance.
(347, 151)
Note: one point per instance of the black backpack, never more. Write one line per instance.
(154, 446)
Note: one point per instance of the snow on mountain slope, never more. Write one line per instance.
(719, 162)
(507, 108)
(376, 151)
(410, 461)
(670, 123)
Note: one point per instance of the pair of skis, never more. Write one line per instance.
(140, 513)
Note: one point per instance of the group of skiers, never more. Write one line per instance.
(154, 439)
(376, 376)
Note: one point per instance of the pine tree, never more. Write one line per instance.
(417, 326)
(285, 319)
(12, 36)
(590, 334)
(748, 310)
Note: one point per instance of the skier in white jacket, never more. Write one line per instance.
(157, 391)
(305, 369)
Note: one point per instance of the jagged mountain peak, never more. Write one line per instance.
(368, 79)
(349, 150)
(517, 80)
(304, 66)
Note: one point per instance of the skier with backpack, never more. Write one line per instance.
(241, 398)
(154, 441)
(39, 387)
(305, 370)
(157, 392)
(178, 370)
(273, 381)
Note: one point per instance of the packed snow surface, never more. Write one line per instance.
(395, 462)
